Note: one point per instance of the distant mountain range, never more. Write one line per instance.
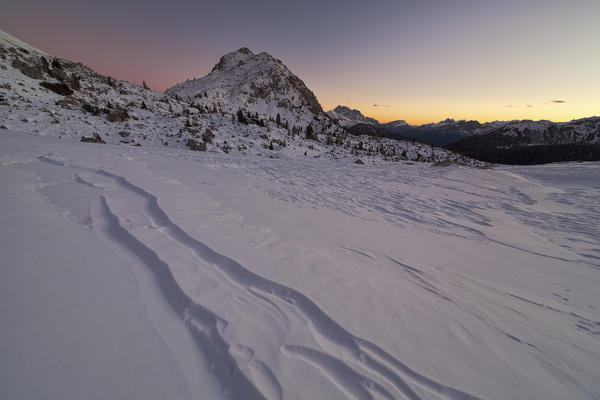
(512, 142)
(535, 142)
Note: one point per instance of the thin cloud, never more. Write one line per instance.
(558, 101)
(509, 106)
(528, 105)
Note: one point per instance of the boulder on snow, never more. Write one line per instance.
(118, 116)
(59, 74)
(445, 163)
(208, 136)
(196, 145)
(34, 71)
(94, 139)
(90, 108)
(68, 102)
(58, 88)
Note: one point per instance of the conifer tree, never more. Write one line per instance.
(241, 118)
(309, 132)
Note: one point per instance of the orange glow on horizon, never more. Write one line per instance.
(421, 63)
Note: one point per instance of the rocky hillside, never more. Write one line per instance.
(236, 111)
(258, 84)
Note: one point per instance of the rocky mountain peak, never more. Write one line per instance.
(258, 83)
(397, 123)
(349, 117)
(233, 59)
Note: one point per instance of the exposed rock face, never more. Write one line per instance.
(256, 83)
(349, 117)
(58, 74)
(68, 102)
(59, 88)
(55, 75)
(117, 116)
(196, 145)
(32, 70)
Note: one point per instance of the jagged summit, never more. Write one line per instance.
(233, 59)
(396, 124)
(349, 117)
(258, 83)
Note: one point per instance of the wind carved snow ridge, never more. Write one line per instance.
(201, 323)
(339, 343)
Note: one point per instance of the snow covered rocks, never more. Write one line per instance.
(117, 116)
(256, 83)
(94, 139)
(248, 104)
(196, 145)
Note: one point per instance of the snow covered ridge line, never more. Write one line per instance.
(581, 131)
(349, 117)
(248, 105)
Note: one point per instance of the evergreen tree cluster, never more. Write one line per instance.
(501, 149)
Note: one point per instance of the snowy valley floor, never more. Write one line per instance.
(130, 273)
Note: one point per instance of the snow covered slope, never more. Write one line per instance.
(54, 97)
(258, 83)
(153, 273)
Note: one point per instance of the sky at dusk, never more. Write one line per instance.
(422, 61)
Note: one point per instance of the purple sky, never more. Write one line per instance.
(421, 61)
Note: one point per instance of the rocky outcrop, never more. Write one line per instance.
(94, 139)
(117, 116)
(59, 88)
(196, 145)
